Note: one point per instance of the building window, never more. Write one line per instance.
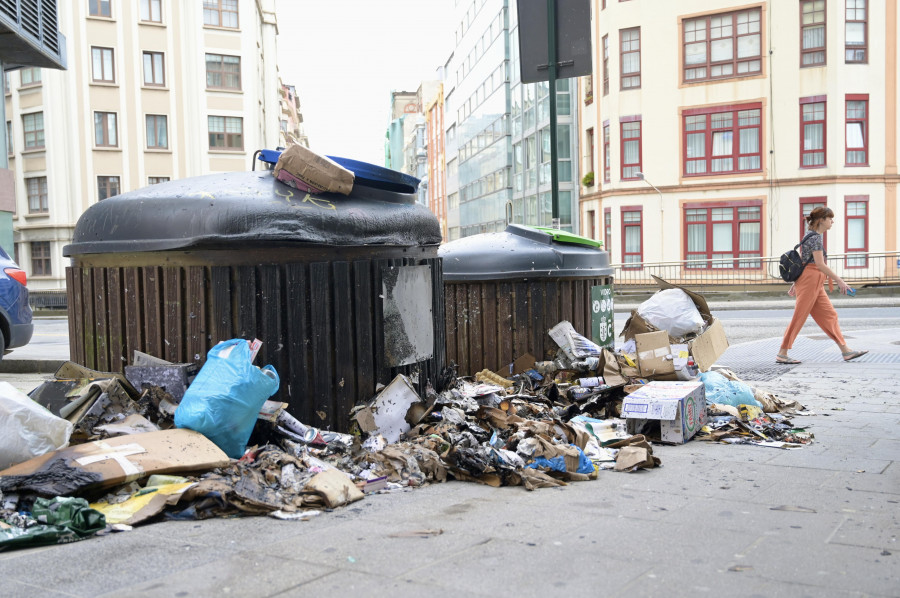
(33, 125)
(220, 13)
(630, 40)
(722, 140)
(807, 205)
(107, 186)
(154, 73)
(724, 235)
(591, 224)
(226, 132)
(589, 141)
(605, 65)
(103, 65)
(857, 151)
(857, 230)
(588, 89)
(40, 258)
(722, 46)
(157, 131)
(632, 238)
(223, 72)
(607, 230)
(606, 153)
(9, 138)
(105, 129)
(31, 76)
(99, 8)
(812, 32)
(151, 10)
(36, 189)
(156, 180)
(856, 32)
(631, 150)
(812, 133)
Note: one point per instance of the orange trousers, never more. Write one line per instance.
(812, 300)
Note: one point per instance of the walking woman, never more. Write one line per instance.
(809, 290)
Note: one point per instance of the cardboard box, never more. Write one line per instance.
(654, 355)
(314, 170)
(704, 348)
(680, 408)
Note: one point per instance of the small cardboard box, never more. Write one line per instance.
(680, 408)
(704, 348)
(317, 171)
(654, 355)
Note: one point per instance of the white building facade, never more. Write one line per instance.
(711, 128)
(156, 90)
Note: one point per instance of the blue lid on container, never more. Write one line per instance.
(521, 252)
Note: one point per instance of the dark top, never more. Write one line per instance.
(812, 242)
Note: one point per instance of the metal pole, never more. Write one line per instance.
(551, 54)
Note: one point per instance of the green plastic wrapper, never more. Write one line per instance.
(58, 521)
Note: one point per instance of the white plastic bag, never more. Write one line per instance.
(672, 310)
(28, 429)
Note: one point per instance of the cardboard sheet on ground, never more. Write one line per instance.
(113, 461)
(143, 504)
(386, 414)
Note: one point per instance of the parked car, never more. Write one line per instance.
(16, 326)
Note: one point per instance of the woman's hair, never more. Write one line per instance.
(817, 214)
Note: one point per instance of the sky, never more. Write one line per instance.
(345, 57)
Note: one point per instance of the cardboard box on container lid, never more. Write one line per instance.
(705, 348)
(680, 408)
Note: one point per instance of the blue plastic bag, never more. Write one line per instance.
(559, 463)
(720, 389)
(224, 399)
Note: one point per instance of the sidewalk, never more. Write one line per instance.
(715, 519)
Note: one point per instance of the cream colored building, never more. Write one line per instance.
(155, 90)
(711, 127)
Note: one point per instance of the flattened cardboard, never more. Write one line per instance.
(707, 347)
(680, 408)
(118, 460)
(653, 353)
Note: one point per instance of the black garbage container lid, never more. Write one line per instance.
(249, 209)
(523, 252)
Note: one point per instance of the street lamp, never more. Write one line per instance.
(662, 214)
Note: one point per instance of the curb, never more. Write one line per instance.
(30, 366)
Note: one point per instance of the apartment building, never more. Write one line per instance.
(435, 146)
(497, 135)
(710, 129)
(155, 90)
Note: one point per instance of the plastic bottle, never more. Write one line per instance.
(689, 372)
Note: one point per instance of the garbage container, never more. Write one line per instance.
(344, 291)
(505, 290)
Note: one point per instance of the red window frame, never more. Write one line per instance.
(744, 23)
(639, 224)
(860, 261)
(856, 53)
(606, 65)
(606, 169)
(739, 257)
(590, 143)
(813, 202)
(853, 118)
(812, 114)
(629, 130)
(628, 47)
(810, 12)
(607, 231)
(710, 129)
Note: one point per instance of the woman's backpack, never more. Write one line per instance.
(791, 265)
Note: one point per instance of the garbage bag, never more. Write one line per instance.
(720, 389)
(672, 310)
(558, 463)
(29, 429)
(54, 521)
(224, 399)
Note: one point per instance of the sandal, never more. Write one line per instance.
(850, 355)
(785, 360)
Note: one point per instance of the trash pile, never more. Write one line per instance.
(94, 452)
